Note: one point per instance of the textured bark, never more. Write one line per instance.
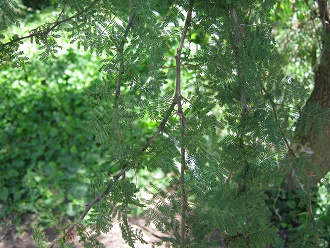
(321, 96)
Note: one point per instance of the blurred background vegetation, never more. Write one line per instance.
(46, 151)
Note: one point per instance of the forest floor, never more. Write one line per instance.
(11, 238)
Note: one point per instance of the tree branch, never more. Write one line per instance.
(178, 96)
(121, 173)
(120, 50)
(161, 126)
(54, 25)
(81, 217)
(239, 30)
(177, 100)
(323, 12)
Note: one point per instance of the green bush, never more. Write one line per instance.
(45, 148)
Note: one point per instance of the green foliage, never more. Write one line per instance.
(298, 37)
(323, 209)
(193, 70)
(8, 14)
(43, 162)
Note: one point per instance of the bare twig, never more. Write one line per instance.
(182, 126)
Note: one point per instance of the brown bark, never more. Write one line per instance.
(320, 145)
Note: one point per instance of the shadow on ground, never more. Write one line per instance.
(10, 238)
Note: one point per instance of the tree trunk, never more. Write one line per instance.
(320, 145)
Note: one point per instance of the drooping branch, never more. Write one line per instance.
(89, 206)
(178, 97)
(52, 26)
(81, 217)
(177, 100)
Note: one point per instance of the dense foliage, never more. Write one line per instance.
(224, 119)
(46, 151)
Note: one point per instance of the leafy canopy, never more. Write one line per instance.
(197, 69)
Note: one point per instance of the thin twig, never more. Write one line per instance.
(182, 126)
(120, 50)
(81, 217)
(161, 126)
(239, 30)
(62, 11)
(54, 25)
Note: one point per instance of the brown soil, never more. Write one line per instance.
(10, 238)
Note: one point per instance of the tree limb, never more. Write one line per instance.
(323, 12)
(182, 126)
(177, 100)
(119, 174)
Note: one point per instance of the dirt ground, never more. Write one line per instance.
(9, 237)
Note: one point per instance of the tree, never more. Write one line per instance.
(222, 77)
(321, 92)
(311, 20)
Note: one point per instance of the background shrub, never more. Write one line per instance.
(46, 150)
